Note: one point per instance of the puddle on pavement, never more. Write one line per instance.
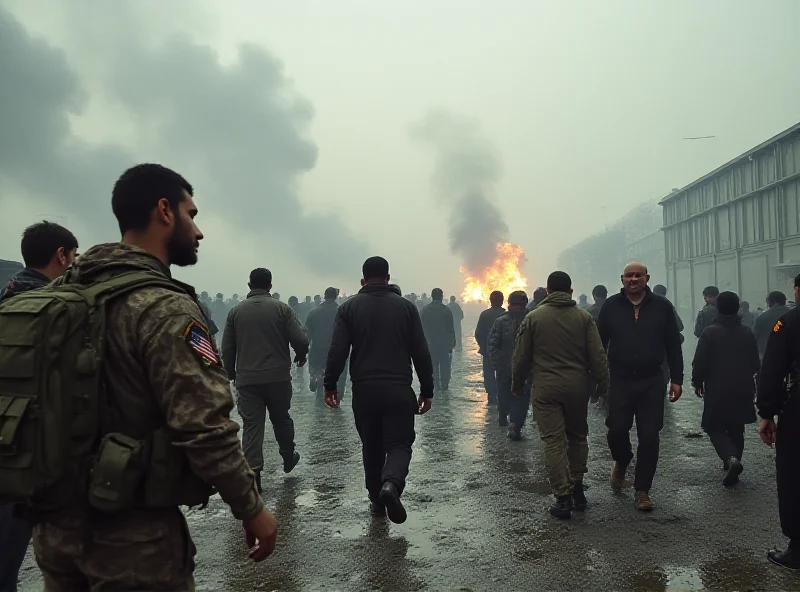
(682, 579)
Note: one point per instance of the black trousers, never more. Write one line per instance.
(509, 406)
(253, 403)
(787, 465)
(641, 399)
(442, 363)
(384, 416)
(727, 440)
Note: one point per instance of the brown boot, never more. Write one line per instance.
(643, 502)
(618, 476)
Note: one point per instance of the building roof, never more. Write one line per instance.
(748, 154)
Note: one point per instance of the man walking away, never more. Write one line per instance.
(599, 295)
(385, 333)
(782, 359)
(437, 323)
(559, 343)
(539, 294)
(709, 313)
(500, 351)
(458, 318)
(255, 352)
(319, 328)
(583, 302)
(762, 328)
(485, 322)
(48, 249)
(638, 330)
(748, 318)
(723, 373)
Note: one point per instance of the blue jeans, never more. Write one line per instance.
(15, 534)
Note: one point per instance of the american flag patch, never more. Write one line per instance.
(198, 339)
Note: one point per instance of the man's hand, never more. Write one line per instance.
(517, 392)
(675, 392)
(331, 399)
(698, 390)
(766, 430)
(261, 532)
(424, 405)
(300, 362)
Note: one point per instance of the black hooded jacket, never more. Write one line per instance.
(385, 333)
(27, 279)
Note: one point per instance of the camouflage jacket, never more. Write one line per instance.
(501, 340)
(160, 370)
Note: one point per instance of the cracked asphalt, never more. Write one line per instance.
(478, 512)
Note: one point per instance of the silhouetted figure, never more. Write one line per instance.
(458, 318)
(437, 322)
(485, 322)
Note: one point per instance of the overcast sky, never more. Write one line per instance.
(298, 122)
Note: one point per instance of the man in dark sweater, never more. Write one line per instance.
(638, 330)
(485, 322)
(707, 316)
(762, 328)
(385, 333)
(48, 249)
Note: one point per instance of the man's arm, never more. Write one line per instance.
(523, 355)
(673, 347)
(777, 363)
(603, 325)
(296, 334)
(450, 327)
(341, 340)
(229, 345)
(481, 332)
(699, 324)
(421, 355)
(598, 362)
(193, 393)
(700, 362)
(493, 344)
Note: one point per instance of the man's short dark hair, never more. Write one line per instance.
(261, 279)
(776, 297)
(437, 294)
(711, 291)
(331, 293)
(660, 290)
(518, 298)
(375, 268)
(452, 298)
(599, 291)
(539, 293)
(496, 298)
(139, 190)
(744, 305)
(728, 303)
(41, 241)
(559, 281)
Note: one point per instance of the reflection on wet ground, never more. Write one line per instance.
(478, 513)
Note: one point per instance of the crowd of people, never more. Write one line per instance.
(153, 362)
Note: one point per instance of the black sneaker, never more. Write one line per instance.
(735, 469)
(514, 433)
(291, 462)
(377, 510)
(788, 559)
(391, 500)
(562, 508)
(579, 501)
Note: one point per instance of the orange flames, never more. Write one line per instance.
(503, 274)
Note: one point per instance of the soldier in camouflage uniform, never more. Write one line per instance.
(501, 340)
(159, 371)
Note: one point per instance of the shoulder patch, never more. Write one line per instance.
(198, 339)
(777, 327)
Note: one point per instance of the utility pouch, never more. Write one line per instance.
(169, 481)
(116, 474)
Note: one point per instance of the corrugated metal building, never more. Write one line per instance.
(738, 227)
(600, 258)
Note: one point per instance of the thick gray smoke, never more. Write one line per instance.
(237, 131)
(466, 170)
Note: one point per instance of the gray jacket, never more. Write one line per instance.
(258, 333)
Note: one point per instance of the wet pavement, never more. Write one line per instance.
(478, 512)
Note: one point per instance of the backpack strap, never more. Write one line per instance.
(122, 284)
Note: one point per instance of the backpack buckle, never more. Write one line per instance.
(12, 411)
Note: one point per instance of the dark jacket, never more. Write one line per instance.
(764, 324)
(637, 347)
(748, 318)
(485, 322)
(385, 333)
(24, 280)
(705, 318)
(458, 313)
(595, 308)
(781, 360)
(559, 346)
(255, 343)
(437, 323)
(319, 327)
(725, 365)
(500, 344)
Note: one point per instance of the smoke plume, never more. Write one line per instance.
(466, 171)
(236, 130)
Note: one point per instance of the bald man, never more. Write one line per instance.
(638, 330)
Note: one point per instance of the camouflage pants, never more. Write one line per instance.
(142, 550)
